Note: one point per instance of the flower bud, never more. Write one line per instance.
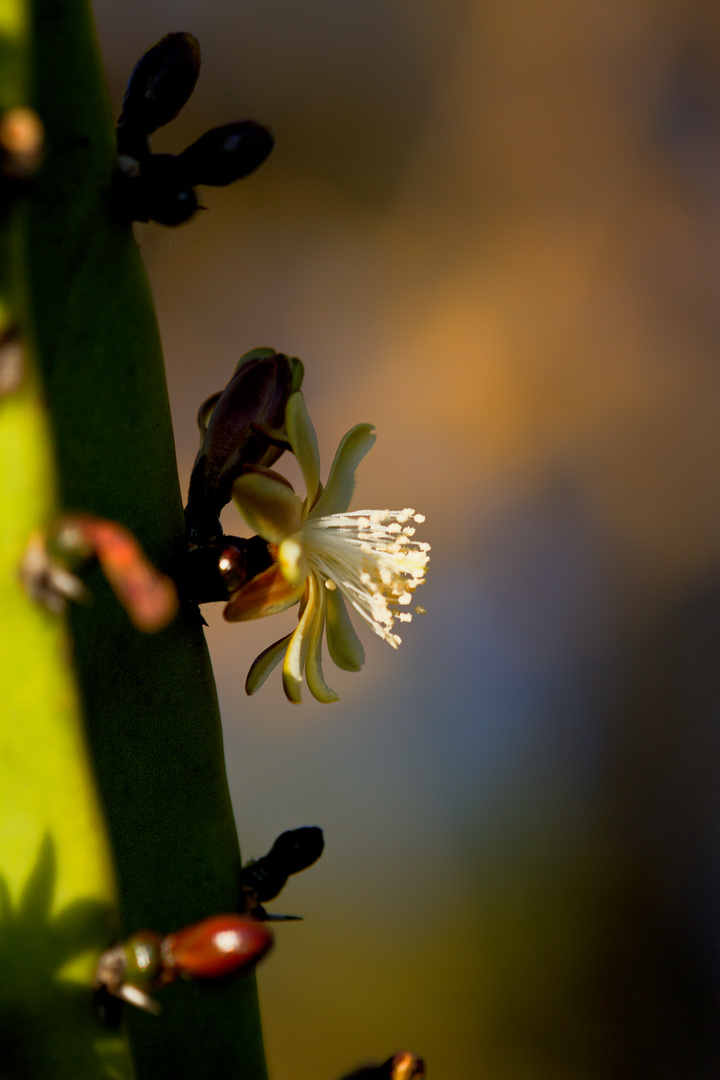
(218, 946)
(295, 850)
(161, 83)
(244, 428)
(226, 153)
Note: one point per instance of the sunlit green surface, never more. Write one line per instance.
(149, 702)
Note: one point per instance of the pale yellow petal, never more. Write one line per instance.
(292, 561)
(343, 643)
(294, 663)
(304, 443)
(265, 664)
(336, 497)
(313, 666)
(270, 507)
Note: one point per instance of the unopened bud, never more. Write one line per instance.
(226, 153)
(244, 428)
(161, 83)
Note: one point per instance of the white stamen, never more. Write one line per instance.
(374, 567)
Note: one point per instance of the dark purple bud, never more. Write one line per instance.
(244, 428)
(161, 83)
(263, 879)
(226, 153)
(297, 849)
(157, 192)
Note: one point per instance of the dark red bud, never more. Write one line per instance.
(226, 153)
(161, 83)
(218, 946)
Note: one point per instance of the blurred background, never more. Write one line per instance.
(491, 228)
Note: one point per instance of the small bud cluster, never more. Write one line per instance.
(161, 187)
(222, 945)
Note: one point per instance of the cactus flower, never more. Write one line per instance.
(324, 555)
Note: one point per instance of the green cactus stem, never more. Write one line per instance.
(87, 428)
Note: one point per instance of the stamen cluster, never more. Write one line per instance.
(370, 555)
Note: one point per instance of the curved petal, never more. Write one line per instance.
(292, 561)
(265, 664)
(304, 443)
(294, 663)
(343, 643)
(269, 506)
(336, 497)
(313, 666)
(265, 594)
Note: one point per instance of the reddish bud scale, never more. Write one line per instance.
(220, 945)
(149, 597)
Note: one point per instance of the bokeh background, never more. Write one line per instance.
(492, 228)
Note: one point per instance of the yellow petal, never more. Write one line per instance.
(304, 443)
(336, 497)
(294, 663)
(343, 643)
(292, 561)
(265, 594)
(270, 507)
(264, 664)
(313, 666)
